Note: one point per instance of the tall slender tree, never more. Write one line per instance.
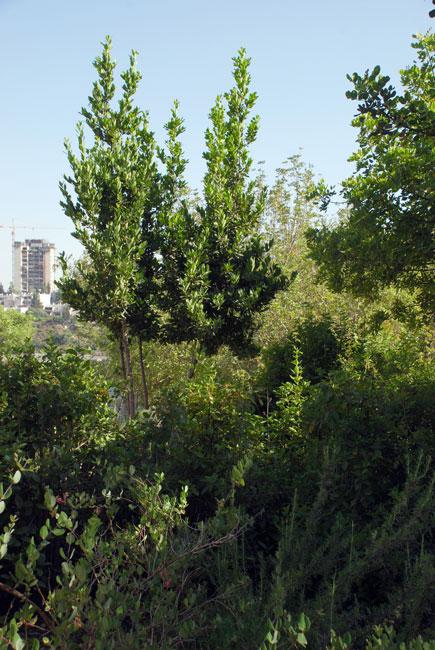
(106, 196)
(218, 270)
(169, 187)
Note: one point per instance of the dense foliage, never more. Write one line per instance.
(218, 270)
(387, 236)
(153, 267)
(14, 328)
(278, 499)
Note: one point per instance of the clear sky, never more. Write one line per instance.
(301, 52)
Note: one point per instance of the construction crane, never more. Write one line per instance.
(13, 228)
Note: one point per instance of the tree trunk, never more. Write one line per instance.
(121, 354)
(128, 373)
(125, 402)
(193, 360)
(143, 375)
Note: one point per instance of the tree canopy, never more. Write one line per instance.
(218, 270)
(387, 236)
(153, 266)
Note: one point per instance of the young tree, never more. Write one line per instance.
(106, 197)
(387, 237)
(218, 270)
(152, 267)
(289, 209)
(169, 187)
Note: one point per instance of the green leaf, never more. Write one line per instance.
(58, 531)
(21, 572)
(82, 569)
(302, 623)
(2, 507)
(43, 531)
(49, 499)
(16, 477)
(87, 538)
(17, 642)
(64, 521)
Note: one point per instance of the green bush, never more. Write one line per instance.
(53, 398)
(321, 345)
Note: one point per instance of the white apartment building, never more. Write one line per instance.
(33, 266)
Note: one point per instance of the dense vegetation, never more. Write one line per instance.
(249, 464)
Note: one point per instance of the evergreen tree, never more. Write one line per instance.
(218, 270)
(387, 237)
(169, 186)
(112, 185)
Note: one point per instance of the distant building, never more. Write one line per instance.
(33, 266)
(23, 301)
(18, 302)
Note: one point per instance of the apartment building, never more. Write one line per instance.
(33, 266)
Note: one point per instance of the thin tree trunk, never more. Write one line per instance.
(125, 404)
(193, 360)
(121, 354)
(128, 373)
(144, 379)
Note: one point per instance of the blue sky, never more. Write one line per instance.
(300, 53)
